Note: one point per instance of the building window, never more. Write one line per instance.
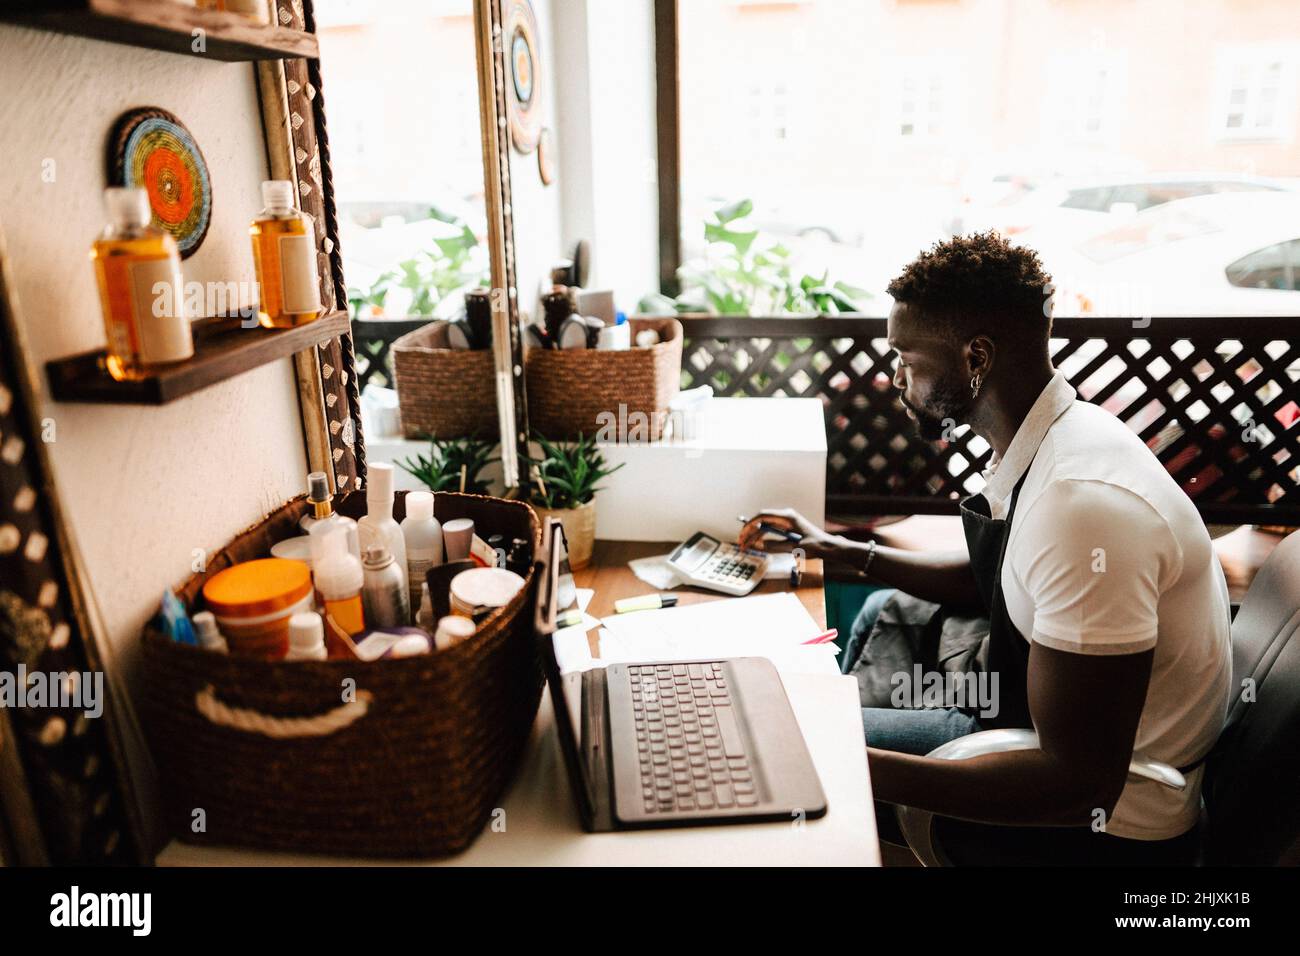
(922, 101)
(1256, 95)
(1085, 96)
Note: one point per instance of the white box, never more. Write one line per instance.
(747, 454)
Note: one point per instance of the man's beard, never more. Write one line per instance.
(948, 406)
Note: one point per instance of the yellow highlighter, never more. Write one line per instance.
(645, 602)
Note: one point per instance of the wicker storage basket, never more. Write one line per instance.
(413, 768)
(579, 390)
(450, 393)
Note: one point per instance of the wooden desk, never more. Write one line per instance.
(613, 580)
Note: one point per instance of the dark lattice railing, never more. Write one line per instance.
(372, 338)
(1215, 398)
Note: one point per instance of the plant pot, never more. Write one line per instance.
(579, 530)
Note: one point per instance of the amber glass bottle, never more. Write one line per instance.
(284, 252)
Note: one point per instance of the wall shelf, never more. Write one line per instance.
(168, 26)
(222, 350)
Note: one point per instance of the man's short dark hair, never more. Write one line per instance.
(981, 284)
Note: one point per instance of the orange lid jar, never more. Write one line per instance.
(253, 602)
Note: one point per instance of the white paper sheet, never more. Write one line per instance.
(769, 625)
(572, 649)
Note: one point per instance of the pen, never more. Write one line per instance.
(763, 526)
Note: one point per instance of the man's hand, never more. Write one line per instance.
(816, 542)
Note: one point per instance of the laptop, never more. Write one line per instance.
(671, 744)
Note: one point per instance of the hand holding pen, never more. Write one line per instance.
(793, 530)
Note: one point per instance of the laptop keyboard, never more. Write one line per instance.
(689, 744)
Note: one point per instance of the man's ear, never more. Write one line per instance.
(980, 353)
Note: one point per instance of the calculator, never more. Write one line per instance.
(706, 562)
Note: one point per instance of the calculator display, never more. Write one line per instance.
(699, 553)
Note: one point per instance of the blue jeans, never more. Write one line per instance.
(915, 731)
(862, 625)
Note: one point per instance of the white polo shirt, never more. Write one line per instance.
(1107, 555)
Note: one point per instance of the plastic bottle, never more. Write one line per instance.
(284, 254)
(210, 639)
(306, 638)
(138, 270)
(323, 516)
(378, 526)
(339, 579)
(423, 535)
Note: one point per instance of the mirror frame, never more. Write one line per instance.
(507, 336)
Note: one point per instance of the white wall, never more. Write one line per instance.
(142, 487)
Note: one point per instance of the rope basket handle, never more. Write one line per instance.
(280, 728)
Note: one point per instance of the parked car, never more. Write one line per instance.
(1220, 255)
(1073, 209)
(1227, 254)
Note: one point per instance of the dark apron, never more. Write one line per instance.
(1008, 651)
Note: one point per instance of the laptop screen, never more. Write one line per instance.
(559, 594)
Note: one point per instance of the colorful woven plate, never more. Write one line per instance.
(524, 87)
(150, 147)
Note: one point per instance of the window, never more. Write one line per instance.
(1274, 267)
(1085, 95)
(1258, 88)
(854, 135)
(922, 101)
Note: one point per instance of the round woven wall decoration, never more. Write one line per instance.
(150, 148)
(524, 85)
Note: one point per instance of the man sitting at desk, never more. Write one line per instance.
(1108, 610)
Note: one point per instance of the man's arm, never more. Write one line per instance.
(1086, 709)
(943, 577)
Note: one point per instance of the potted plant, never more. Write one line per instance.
(745, 272)
(428, 283)
(564, 486)
(453, 464)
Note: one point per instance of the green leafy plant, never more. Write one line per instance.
(430, 277)
(440, 469)
(744, 272)
(566, 474)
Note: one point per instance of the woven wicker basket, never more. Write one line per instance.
(443, 391)
(580, 390)
(414, 768)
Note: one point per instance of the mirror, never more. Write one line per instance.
(419, 199)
